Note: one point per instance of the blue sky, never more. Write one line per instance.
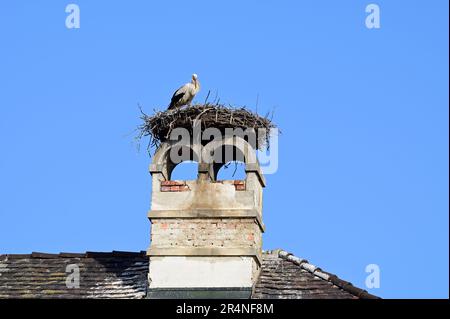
(363, 158)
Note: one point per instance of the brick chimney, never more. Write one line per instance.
(206, 235)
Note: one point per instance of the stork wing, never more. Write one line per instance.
(176, 97)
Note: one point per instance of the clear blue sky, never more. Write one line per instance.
(363, 163)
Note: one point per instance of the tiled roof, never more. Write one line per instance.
(102, 275)
(285, 276)
(124, 275)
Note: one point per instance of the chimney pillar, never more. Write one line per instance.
(206, 235)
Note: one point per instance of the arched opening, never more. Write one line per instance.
(233, 170)
(229, 163)
(181, 163)
(185, 171)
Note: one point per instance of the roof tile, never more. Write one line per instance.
(284, 275)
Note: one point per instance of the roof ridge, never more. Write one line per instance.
(332, 278)
(87, 254)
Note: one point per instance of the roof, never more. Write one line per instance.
(104, 275)
(285, 276)
(124, 275)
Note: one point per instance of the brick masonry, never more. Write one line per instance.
(205, 232)
(181, 186)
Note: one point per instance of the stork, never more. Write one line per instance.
(185, 94)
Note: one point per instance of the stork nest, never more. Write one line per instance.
(159, 126)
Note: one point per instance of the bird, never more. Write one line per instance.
(185, 94)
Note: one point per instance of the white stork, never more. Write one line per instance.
(185, 94)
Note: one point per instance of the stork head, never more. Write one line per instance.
(195, 82)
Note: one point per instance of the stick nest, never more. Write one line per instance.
(159, 126)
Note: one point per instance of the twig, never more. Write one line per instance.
(207, 96)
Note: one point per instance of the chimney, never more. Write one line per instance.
(206, 235)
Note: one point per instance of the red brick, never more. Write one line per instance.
(173, 183)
